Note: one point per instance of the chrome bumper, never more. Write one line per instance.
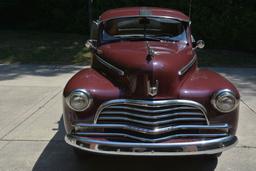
(202, 147)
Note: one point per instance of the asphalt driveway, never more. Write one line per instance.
(31, 129)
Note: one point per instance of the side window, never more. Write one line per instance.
(94, 30)
(193, 39)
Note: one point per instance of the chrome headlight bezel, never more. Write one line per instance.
(82, 93)
(225, 93)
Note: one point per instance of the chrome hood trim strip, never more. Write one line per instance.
(188, 66)
(110, 66)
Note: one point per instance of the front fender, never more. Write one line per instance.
(201, 86)
(97, 85)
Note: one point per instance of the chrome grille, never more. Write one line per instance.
(151, 114)
(151, 121)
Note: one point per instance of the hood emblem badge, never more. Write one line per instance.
(152, 88)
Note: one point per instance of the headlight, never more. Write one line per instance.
(225, 101)
(79, 100)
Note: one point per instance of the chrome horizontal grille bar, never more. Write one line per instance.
(150, 108)
(139, 115)
(151, 140)
(111, 108)
(154, 112)
(85, 127)
(156, 123)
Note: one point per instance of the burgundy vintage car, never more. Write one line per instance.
(144, 93)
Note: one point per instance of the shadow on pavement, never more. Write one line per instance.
(57, 155)
(13, 71)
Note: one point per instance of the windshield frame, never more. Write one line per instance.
(101, 29)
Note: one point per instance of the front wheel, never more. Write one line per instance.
(81, 154)
(217, 155)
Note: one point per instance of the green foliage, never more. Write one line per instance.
(228, 24)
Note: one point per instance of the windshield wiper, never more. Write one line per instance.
(165, 37)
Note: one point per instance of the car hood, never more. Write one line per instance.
(163, 67)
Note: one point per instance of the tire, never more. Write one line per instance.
(81, 154)
(213, 156)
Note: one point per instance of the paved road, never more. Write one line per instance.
(31, 129)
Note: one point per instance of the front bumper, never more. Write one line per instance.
(201, 147)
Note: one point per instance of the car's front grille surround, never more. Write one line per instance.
(151, 121)
(152, 112)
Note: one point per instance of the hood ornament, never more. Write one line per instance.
(151, 52)
(152, 88)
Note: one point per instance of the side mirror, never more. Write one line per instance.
(92, 45)
(199, 44)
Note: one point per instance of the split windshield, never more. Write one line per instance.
(143, 28)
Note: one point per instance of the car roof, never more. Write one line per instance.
(143, 11)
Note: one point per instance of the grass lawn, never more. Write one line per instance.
(43, 48)
(27, 47)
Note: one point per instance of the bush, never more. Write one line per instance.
(225, 24)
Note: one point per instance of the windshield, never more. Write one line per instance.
(141, 28)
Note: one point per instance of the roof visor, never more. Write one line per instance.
(143, 12)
